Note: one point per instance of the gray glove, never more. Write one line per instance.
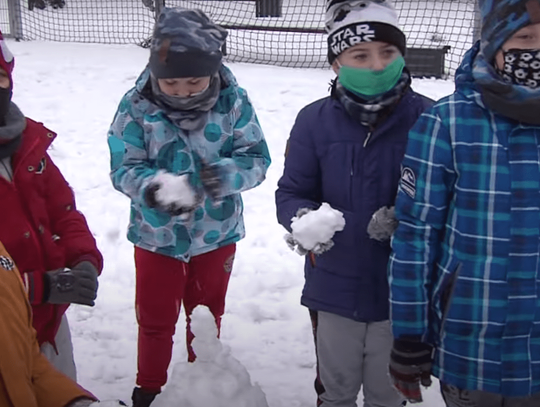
(319, 248)
(383, 223)
(72, 286)
(295, 246)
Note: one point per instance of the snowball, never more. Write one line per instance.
(317, 227)
(174, 189)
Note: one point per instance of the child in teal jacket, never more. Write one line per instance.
(184, 144)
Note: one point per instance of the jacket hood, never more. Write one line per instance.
(501, 19)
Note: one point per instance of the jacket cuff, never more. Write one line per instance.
(35, 287)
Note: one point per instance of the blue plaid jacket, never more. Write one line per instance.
(464, 272)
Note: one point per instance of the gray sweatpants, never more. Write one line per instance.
(63, 360)
(353, 355)
(455, 397)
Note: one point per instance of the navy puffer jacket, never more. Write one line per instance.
(333, 158)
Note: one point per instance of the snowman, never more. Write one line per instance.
(215, 379)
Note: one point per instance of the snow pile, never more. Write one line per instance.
(174, 189)
(215, 379)
(317, 227)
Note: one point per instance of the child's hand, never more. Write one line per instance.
(171, 194)
(383, 224)
(313, 230)
(410, 367)
(73, 286)
(211, 180)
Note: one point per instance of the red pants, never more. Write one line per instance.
(163, 283)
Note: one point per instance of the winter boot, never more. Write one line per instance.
(142, 397)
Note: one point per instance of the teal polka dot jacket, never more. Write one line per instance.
(144, 140)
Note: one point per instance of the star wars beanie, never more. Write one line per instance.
(7, 61)
(501, 19)
(351, 22)
(186, 43)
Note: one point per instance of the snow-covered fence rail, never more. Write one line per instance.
(284, 32)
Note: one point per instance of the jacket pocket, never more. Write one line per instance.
(447, 295)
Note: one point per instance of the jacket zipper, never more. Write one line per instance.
(367, 138)
(450, 296)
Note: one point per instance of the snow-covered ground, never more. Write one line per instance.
(74, 89)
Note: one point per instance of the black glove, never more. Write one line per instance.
(410, 366)
(72, 286)
(172, 209)
(211, 181)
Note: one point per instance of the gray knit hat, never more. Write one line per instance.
(186, 43)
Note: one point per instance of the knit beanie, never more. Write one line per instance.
(503, 18)
(351, 22)
(186, 43)
(7, 61)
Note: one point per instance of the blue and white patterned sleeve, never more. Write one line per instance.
(246, 167)
(130, 168)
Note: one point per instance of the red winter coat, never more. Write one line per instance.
(40, 225)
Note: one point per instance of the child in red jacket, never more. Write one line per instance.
(40, 226)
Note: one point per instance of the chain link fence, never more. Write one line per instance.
(280, 32)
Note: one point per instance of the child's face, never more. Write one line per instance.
(4, 79)
(183, 87)
(526, 38)
(374, 55)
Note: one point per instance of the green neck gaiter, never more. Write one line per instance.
(368, 83)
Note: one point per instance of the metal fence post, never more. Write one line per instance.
(15, 19)
(160, 4)
(477, 27)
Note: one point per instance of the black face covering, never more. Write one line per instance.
(5, 101)
(521, 67)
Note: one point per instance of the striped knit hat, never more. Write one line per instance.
(351, 22)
